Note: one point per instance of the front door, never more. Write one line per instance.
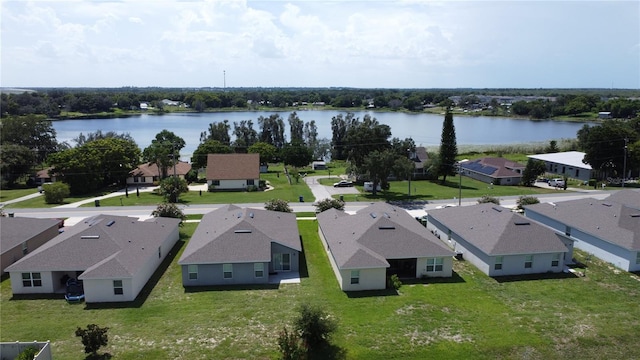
(282, 262)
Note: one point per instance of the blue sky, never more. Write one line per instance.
(273, 43)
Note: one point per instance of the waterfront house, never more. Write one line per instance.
(149, 173)
(568, 163)
(492, 170)
(233, 171)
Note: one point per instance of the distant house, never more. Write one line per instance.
(149, 173)
(568, 163)
(43, 176)
(420, 158)
(233, 171)
(144, 106)
(319, 165)
(113, 257)
(379, 241)
(233, 245)
(607, 229)
(604, 115)
(499, 242)
(170, 102)
(22, 235)
(492, 170)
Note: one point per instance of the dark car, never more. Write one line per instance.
(343, 183)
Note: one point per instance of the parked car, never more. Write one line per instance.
(343, 183)
(556, 182)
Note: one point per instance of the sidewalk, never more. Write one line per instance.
(26, 197)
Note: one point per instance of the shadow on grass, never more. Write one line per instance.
(530, 277)
(105, 356)
(328, 352)
(371, 293)
(148, 287)
(303, 269)
(455, 278)
(239, 287)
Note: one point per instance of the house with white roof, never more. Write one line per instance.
(607, 229)
(500, 242)
(568, 163)
(379, 241)
(112, 256)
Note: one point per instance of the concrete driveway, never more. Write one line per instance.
(321, 192)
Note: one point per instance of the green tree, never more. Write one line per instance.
(268, 152)
(164, 150)
(531, 172)
(365, 136)
(315, 327)
(291, 346)
(31, 131)
(217, 131)
(278, 205)
(245, 135)
(15, 162)
(448, 148)
(553, 147)
(604, 144)
(296, 128)
(296, 154)
(377, 167)
(329, 203)
(93, 338)
(172, 187)
(272, 130)
(199, 157)
(55, 193)
(169, 210)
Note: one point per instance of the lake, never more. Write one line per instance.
(424, 129)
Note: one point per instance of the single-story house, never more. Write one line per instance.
(379, 241)
(606, 229)
(147, 174)
(233, 171)
(568, 163)
(21, 235)
(319, 165)
(500, 242)
(604, 115)
(43, 177)
(112, 256)
(492, 170)
(234, 246)
(628, 197)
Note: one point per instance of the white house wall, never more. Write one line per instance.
(46, 288)
(233, 184)
(332, 261)
(101, 290)
(370, 279)
(212, 274)
(447, 268)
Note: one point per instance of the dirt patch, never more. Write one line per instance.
(422, 338)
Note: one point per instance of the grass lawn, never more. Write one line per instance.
(467, 316)
(11, 194)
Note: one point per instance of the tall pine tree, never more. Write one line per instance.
(448, 148)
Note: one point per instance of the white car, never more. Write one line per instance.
(556, 182)
(445, 206)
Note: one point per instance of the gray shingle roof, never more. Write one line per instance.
(232, 234)
(376, 233)
(233, 166)
(495, 230)
(628, 197)
(100, 248)
(16, 230)
(607, 220)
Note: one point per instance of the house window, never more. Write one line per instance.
(448, 234)
(498, 264)
(193, 272)
(434, 264)
(159, 252)
(355, 276)
(258, 269)
(282, 262)
(528, 261)
(215, 182)
(556, 260)
(567, 230)
(577, 172)
(25, 249)
(638, 258)
(136, 179)
(227, 271)
(31, 279)
(117, 287)
(250, 182)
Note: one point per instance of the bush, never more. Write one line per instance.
(28, 353)
(278, 205)
(171, 188)
(329, 203)
(93, 337)
(394, 282)
(169, 210)
(526, 200)
(55, 193)
(488, 199)
(290, 346)
(315, 327)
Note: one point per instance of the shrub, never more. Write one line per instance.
(329, 203)
(291, 346)
(171, 188)
(55, 193)
(93, 337)
(278, 205)
(394, 282)
(169, 210)
(526, 200)
(28, 353)
(488, 199)
(315, 326)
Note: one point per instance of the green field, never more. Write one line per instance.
(469, 316)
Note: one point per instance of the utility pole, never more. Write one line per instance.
(460, 185)
(175, 176)
(624, 163)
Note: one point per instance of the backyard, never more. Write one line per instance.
(467, 316)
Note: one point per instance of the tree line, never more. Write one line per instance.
(63, 103)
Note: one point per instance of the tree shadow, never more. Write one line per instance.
(327, 352)
(104, 356)
(148, 287)
(531, 277)
(371, 293)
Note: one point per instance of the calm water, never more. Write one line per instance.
(425, 129)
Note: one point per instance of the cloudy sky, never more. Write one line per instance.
(319, 43)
